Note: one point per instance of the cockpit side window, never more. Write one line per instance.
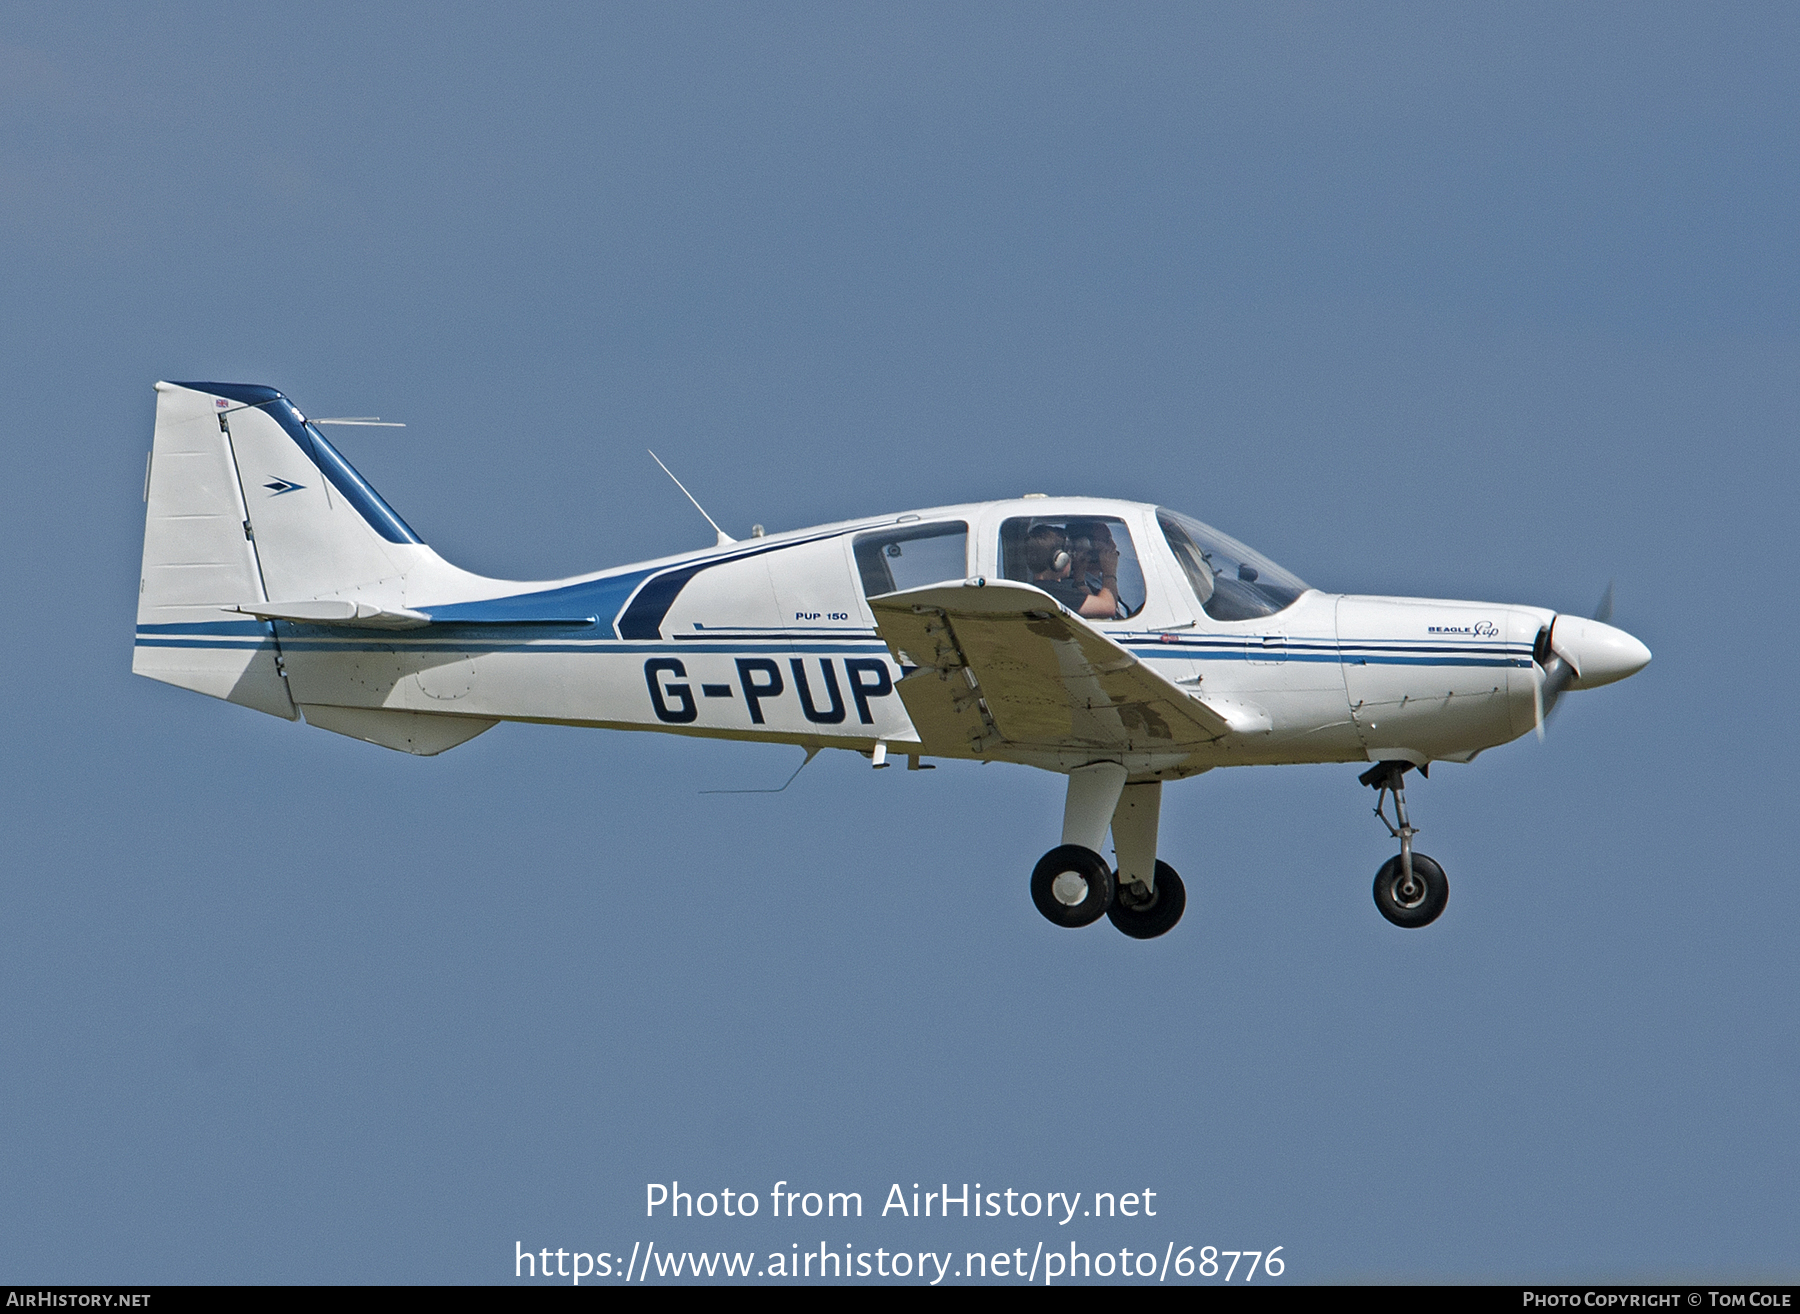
(1087, 563)
(910, 556)
(1231, 581)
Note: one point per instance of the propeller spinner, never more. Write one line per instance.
(1573, 652)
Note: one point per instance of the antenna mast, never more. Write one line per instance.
(724, 538)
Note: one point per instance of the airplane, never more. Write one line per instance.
(1116, 643)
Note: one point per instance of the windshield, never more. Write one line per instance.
(1231, 581)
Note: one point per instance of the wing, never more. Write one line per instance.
(1004, 663)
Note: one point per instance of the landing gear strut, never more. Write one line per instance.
(1410, 889)
(1073, 886)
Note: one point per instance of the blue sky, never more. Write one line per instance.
(1500, 304)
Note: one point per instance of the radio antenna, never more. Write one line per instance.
(724, 538)
(811, 753)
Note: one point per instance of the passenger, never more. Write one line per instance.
(1095, 569)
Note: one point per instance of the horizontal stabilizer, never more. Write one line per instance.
(336, 611)
(366, 615)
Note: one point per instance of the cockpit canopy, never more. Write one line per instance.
(1086, 560)
(1231, 581)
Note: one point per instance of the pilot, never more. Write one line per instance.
(1095, 569)
(1079, 568)
(1049, 563)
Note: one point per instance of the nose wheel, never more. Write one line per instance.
(1412, 898)
(1410, 889)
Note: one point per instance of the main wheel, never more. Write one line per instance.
(1415, 906)
(1145, 914)
(1072, 886)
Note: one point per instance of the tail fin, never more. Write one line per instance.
(318, 527)
(248, 503)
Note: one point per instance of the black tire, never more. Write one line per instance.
(1145, 919)
(1087, 867)
(1421, 909)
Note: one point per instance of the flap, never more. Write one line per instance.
(1003, 662)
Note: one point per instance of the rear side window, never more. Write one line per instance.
(910, 556)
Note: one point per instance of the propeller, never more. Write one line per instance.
(1549, 679)
(1555, 667)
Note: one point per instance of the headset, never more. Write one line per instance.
(1083, 545)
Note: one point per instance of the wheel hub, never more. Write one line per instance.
(1069, 889)
(1137, 896)
(1411, 899)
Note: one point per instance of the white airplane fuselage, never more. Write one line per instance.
(1116, 642)
(1338, 677)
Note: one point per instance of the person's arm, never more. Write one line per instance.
(1104, 602)
(1103, 605)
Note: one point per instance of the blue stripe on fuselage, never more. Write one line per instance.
(485, 640)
